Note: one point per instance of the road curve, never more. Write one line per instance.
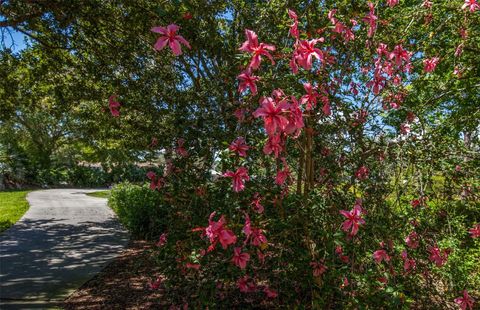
(64, 239)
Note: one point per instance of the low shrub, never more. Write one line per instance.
(142, 211)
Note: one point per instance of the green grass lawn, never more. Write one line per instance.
(100, 194)
(12, 206)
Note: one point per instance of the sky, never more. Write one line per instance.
(10, 38)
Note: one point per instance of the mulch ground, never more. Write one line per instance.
(123, 284)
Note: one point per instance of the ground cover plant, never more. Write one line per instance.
(13, 204)
(315, 154)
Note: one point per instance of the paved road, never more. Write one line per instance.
(63, 240)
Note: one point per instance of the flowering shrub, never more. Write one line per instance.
(330, 191)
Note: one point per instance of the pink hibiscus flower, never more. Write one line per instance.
(294, 27)
(371, 20)
(246, 284)
(238, 178)
(180, 149)
(216, 232)
(270, 293)
(272, 114)
(257, 237)
(257, 50)
(318, 268)
(399, 54)
(155, 182)
(465, 301)
(354, 220)
(273, 145)
(162, 240)
(239, 146)
(169, 36)
(362, 173)
(430, 64)
(408, 263)
(247, 80)
(472, 5)
(282, 175)
(311, 97)
(392, 3)
(256, 203)
(475, 231)
(154, 285)
(305, 52)
(240, 259)
(437, 256)
(412, 240)
(114, 106)
(380, 255)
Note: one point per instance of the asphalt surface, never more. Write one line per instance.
(64, 239)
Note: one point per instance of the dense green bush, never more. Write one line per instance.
(140, 209)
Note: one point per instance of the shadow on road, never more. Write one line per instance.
(47, 259)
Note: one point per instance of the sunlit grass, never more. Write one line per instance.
(13, 205)
(100, 194)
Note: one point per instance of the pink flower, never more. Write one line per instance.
(270, 293)
(246, 284)
(318, 268)
(240, 259)
(180, 150)
(192, 266)
(169, 36)
(273, 145)
(418, 202)
(438, 257)
(247, 228)
(430, 64)
(353, 221)
(427, 4)
(240, 114)
(294, 27)
(271, 112)
(238, 178)
(371, 19)
(472, 5)
(256, 49)
(226, 237)
(162, 240)
(399, 54)
(362, 173)
(155, 182)
(305, 52)
(404, 128)
(114, 106)
(258, 238)
(412, 240)
(465, 302)
(295, 118)
(283, 174)
(247, 80)
(339, 252)
(256, 203)
(216, 232)
(239, 146)
(154, 285)
(360, 117)
(392, 3)
(408, 263)
(380, 255)
(310, 98)
(475, 231)
(331, 17)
